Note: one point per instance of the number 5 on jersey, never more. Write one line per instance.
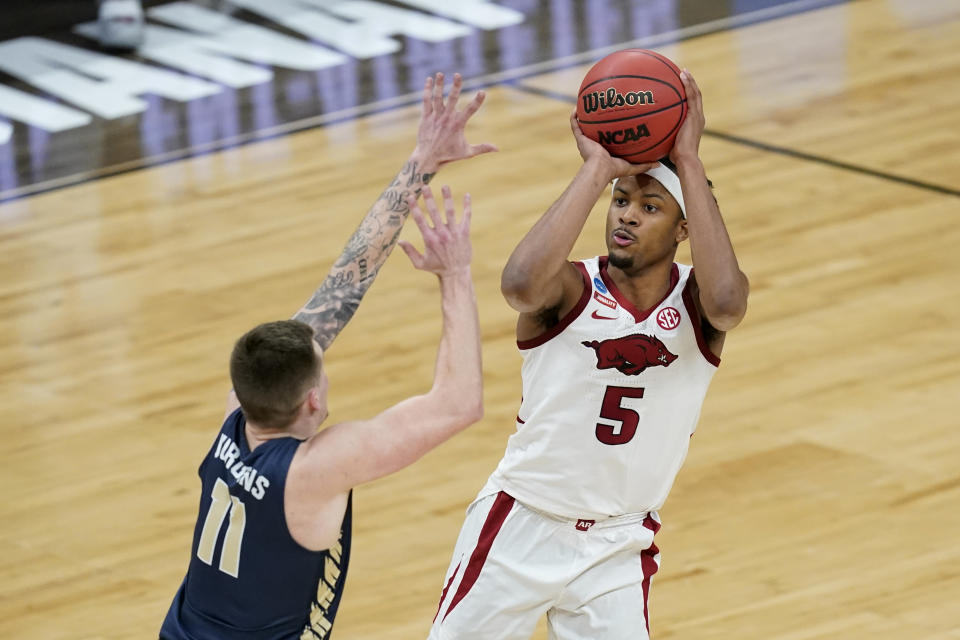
(222, 502)
(611, 409)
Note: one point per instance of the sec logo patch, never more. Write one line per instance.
(668, 318)
(598, 283)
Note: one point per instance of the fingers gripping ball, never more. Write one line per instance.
(632, 102)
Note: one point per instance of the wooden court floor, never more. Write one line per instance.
(821, 497)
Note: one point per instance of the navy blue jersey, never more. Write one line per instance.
(248, 578)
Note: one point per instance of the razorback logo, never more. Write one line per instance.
(631, 355)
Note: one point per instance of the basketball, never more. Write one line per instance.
(632, 102)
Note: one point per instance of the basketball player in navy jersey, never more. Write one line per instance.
(618, 352)
(272, 538)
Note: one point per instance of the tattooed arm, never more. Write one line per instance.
(337, 298)
(440, 139)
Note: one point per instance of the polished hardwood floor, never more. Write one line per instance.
(821, 496)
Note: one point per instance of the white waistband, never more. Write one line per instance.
(626, 519)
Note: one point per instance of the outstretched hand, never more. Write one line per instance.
(441, 135)
(687, 143)
(447, 243)
(593, 150)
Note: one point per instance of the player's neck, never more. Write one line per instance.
(304, 426)
(643, 287)
(257, 435)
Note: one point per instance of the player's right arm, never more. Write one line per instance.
(352, 453)
(440, 140)
(538, 277)
(403, 433)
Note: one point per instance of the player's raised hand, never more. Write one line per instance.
(688, 137)
(447, 241)
(593, 150)
(441, 136)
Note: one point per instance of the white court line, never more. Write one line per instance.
(647, 42)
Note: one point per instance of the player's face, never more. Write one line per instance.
(644, 223)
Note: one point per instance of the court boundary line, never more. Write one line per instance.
(507, 78)
(772, 148)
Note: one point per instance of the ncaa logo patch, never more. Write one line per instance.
(598, 283)
(668, 318)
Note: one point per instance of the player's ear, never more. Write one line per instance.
(682, 232)
(313, 400)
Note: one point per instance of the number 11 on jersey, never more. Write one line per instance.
(611, 409)
(221, 502)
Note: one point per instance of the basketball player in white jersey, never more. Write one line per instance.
(618, 352)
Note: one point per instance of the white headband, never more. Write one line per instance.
(670, 182)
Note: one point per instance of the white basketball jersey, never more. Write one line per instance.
(611, 396)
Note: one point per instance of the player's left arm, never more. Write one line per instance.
(723, 287)
(440, 140)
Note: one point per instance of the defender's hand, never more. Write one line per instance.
(687, 144)
(441, 137)
(593, 150)
(447, 243)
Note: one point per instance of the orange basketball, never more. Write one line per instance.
(633, 103)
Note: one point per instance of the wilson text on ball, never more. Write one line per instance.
(611, 98)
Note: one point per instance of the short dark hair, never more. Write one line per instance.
(272, 367)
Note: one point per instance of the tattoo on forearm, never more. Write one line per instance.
(396, 200)
(336, 300)
(392, 241)
(329, 310)
(337, 280)
(413, 177)
(357, 245)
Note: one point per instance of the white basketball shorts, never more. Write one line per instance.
(512, 564)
